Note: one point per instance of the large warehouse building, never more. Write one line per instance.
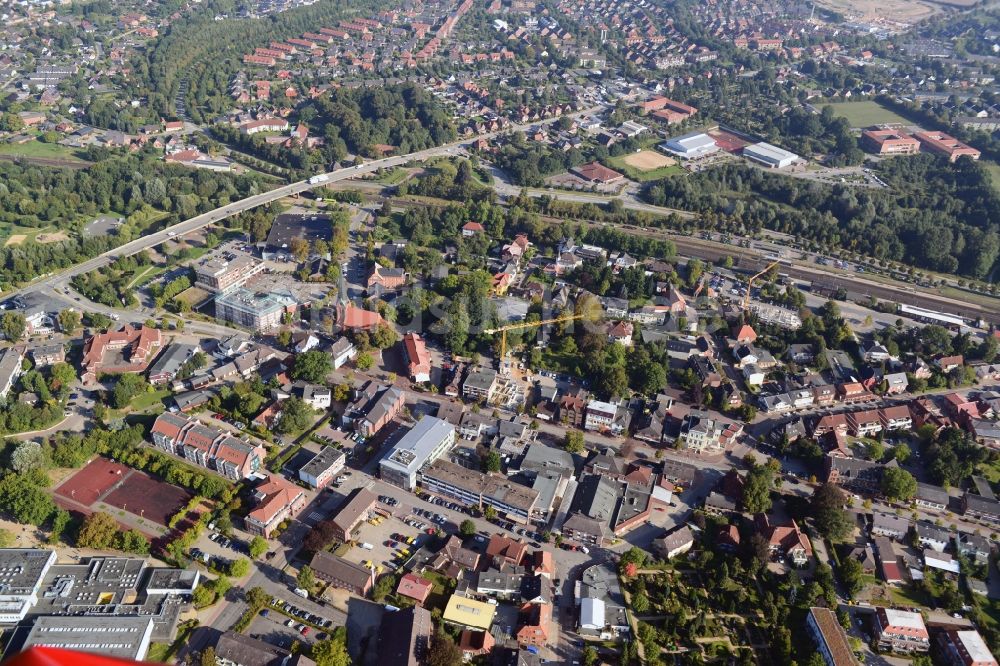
(770, 156)
(690, 146)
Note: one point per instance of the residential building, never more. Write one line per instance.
(889, 525)
(169, 363)
(342, 351)
(236, 649)
(470, 613)
(414, 587)
(973, 545)
(965, 648)
(611, 417)
(418, 360)
(786, 541)
(900, 631)
(831, 639)
(322, 468)
(10, 369)
(519, 503)
(277, 500)
(888, 562)
(931, 536)
(854, 474)
(257, 311)
(984, 508)
(386, 279)
(129, 350)
(674, 543)
(404, 637)
(355, 510)
(422, 445)
(207, 447)
(480, 384)
(701, 433)
(46, 355)
(316, 396)
(535, 620)
(339, 573)
(372, 408)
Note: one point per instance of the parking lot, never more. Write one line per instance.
(285, 622)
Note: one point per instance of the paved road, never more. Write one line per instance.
(211, 217)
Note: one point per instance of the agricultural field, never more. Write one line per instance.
(865, 114)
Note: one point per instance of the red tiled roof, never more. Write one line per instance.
(414, 587)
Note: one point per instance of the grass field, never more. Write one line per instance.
(865, 114)
(12, 234)
(50, 151)
(994, 170)
(621, 163)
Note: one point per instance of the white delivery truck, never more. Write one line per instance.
(322, 178)
(368, 546)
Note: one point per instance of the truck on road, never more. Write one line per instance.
(322, 178)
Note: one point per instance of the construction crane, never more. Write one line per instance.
(746, 297)
(502, 330)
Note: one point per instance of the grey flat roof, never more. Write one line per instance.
(322, 461)
(117, 636)
(413, 449)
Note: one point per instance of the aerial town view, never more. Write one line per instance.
(500, 332)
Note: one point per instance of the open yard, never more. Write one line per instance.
(904, 11)
(43, 151)
(645, 165)
(865, 114)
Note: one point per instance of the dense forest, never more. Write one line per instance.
(932, 215)
(357, 120)
(141, 188)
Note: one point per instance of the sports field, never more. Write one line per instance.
(866, 114)
(645, 165)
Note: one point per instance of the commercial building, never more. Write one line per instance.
(965, 648)
(604, 507)
(129, 350)
(595, 172)
(480, 490)
(119, 637)
(770, 156)
(940, 143)
(418, 360)
(235, 649)
(353, 512)
(889, 142)
(170, 362)
(427, 440)
(226, 270)
(207, 447)
(277, 500)
(323, 467)
(831, 640)
(372, 407)
(21, 573)
(10, 369)
(690, 146)
(342, 574)
(901, 631)
(286, 227)
(257, 311)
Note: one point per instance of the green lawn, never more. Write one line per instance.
(909, 596)
(52, 151)
(8, 229)
(865, 114)
(395, 176)
(994, 170)
(149, 400)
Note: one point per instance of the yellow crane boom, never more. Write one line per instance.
(746, 298)
(502, 330)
